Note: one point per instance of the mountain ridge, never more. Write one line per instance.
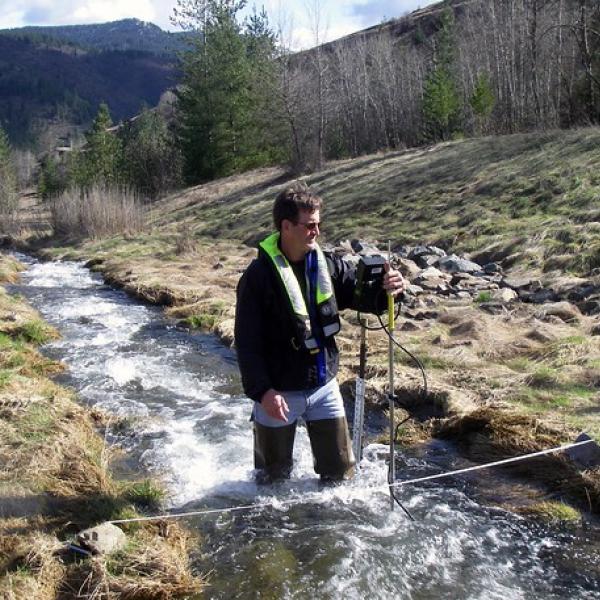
(123, 34)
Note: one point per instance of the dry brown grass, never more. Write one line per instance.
(9, 269)
(153, 567)
(97, 212)
(54, 481)
(488, 435)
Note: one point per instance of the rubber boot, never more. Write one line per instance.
(331, 448)
(273, 450)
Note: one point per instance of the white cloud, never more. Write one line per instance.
(98, 11)
(70, 12)
(342, 17)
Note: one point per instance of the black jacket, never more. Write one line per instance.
(263, 330)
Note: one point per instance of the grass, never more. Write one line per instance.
(483, 297)
(553, 512)
(145, 494)
(54, 462)
(37, 332)
(201, 321)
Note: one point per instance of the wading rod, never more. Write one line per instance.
(391, 324)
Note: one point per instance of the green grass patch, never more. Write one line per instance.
(483, 297)
(544, 377)
(145, 494)
(5, 378)
(5, 341)
(37, 424)
(429, 361)
(521, 364)
(553, 512)
(36, 332)
(201, 321)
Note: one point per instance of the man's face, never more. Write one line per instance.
(301, 237)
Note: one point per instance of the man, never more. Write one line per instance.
(286, 320)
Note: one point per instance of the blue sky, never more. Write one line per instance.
(337, 18)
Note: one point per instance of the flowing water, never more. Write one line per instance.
(190, 425)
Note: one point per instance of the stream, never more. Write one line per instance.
(189, 426)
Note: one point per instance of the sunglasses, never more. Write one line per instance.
(310, 226)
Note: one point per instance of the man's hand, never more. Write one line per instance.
(275, 405)
(393, 282)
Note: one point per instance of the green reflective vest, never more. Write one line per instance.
(326, 306)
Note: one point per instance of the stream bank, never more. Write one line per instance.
(534, 378)
(55, 480)
(185, 417)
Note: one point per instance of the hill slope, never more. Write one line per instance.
(536, 196)
(530, 202)
(41, 85)
(126, 34)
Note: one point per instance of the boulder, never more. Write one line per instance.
(422, 250)
(407, 267)
(526, 284)
(564, 311)
(431, 278)
(422, 315)
(540, 296)
(463, 295)
(427, 260)
(467, 328)
(401, 251)
(413, 290)
(363, 247)
(590, 307)
(586, 456)
(491, 268)
(102, 539)
(493, 307)
(505, 295)
(582, 292)
(409, 326)
(433, 273)
(455, 264)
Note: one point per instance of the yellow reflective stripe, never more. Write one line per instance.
(283, 268)
(324, 285)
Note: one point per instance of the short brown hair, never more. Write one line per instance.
(291, 201)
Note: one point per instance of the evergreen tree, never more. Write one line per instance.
(51, 181)
(220, 99)
(8, 183)
(441, 100)
(100, 160)
(482, 101)
(151, 157)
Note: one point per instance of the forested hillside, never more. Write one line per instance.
(456, 68)
(43, 83)
(126, 34)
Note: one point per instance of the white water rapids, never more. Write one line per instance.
(190, 427)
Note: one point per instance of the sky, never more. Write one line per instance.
(337, 18)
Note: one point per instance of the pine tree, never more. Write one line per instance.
(51, 182)
(482, 101)
(151, 156)
(219, 100)
(442, 105)
(100, 160)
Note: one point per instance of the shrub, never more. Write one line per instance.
(96, 212)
